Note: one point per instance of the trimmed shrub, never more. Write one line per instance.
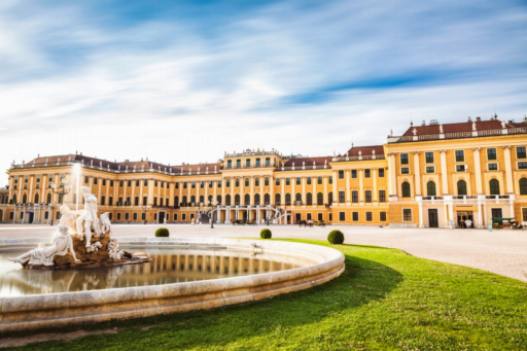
(336, 237)
(266, 233)
(162, 232)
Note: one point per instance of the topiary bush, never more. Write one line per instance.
(266, 233)
(162, 232)
(336, 237)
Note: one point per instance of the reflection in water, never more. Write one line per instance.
(165, 267)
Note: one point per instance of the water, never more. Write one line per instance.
(167, 266)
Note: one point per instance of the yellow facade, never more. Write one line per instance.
(452, 175)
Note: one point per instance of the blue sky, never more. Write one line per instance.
(183, 81)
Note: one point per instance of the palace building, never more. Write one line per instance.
(465, 174)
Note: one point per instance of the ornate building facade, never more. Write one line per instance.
(434, 175)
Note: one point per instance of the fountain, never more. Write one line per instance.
(80, 240)
(84, 276)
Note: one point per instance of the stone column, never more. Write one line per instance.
(251, 184)
(477, 171)
(325, 191)
(508, 170)
(375, 192)
(444, 174)
(348, 186)
(303, 184)
(392, 177)
(361, 185)
(417, 174)
(419, 200)
(282, 191)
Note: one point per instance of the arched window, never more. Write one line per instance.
(192, 199)
(288, 199)
(256, 199)
(36, 199)
(330, 196)
(218, 199)
(494, 186)
(24, 199)
(431, 188)
(523, 186)
(461, 187)
(247, 199)
(309, 199)
(228, 200)
(201, 199)
(405, 189)
(237, 199)
(277, 199)
(184, 201)
(267, 199)
(14, 199)
(320, 199)
(298, 198)
(210, 199)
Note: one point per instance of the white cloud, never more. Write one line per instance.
(162, 89)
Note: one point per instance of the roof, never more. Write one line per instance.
(377, 150)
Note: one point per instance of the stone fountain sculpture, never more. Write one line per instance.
(81, 239)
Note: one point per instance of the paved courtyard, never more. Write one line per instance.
(500, 251)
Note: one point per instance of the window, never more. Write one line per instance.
(521, 152)
(227, 183)
(430, 169)
(367, 173)
(256, 181)
(330, 198)
(429, 157)
(523, 186)
(287, 181)
(257, 162)
(308, 179)
(382, 196)
(341, 174)
(494, 186)
(298, 198)
(405, 170)
(522, 165)
(238, 163)
(491, 153)
(319, 180)
(367, 195)
(267, 162)
(277, 182)
(405, 189)
(355, 216)
(461, 187)
(320, 199)
(236, 182)
(354, 196)
(382, 216)
(524, 214)
(431, 188)
(460, 156)
(353, 173)
(246, 181)
(267, 199)
(368, 216)
(257, 199)
(381, 172)
(341, 196)
(266, 181)
(493, 166)
(309, 199)
(298, 181)
(288, 199)
(248, 163)
(407, 214)
(460, 168)
(342, 216)
(404, 159)
(277, 199)
(330, 180)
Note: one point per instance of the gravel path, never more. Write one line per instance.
(500, 251)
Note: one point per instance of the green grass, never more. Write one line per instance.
(385, 300)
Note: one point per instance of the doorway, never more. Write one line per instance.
(497, 215)
(465, 219)
(31, 216)
(433, 218)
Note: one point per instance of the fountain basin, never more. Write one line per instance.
(305, 265)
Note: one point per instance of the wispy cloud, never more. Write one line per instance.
(185, 81)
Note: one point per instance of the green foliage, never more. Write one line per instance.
(266, 233)
(336, 237)
(162, 232)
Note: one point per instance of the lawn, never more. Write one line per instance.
(385, 300)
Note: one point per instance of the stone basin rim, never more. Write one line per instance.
(61, 306)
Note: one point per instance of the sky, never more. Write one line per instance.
(185, 81)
